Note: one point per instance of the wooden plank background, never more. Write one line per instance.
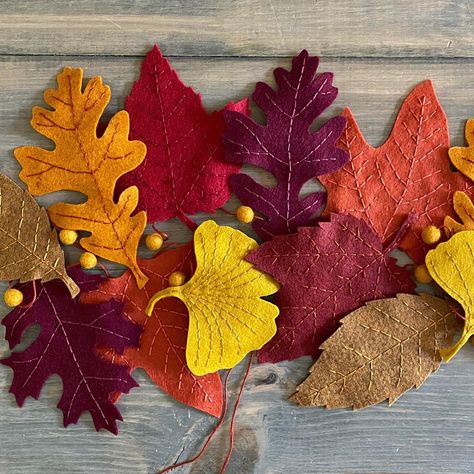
(378, 49)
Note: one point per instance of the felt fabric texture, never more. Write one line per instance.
(325, 272)
(451, 265)
(83, 162)
(286, 147)
(464, 208)
(380, 351)
(70, 333)
(227, 317)
(409, 173)
(29, 247)
(163, 342)
(184, 171)
(463, 157)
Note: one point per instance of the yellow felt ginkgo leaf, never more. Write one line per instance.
(227, 317)
(84, 162)
(451, 265)
(462, 157)
(465, 210)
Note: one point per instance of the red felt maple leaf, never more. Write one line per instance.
(70, 334)
(409, 173)
(184, 171)
(326, 272)
(162, 346)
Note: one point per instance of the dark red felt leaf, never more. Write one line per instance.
(70, 333)
(286, 147)
(162, 346)
(184, 171)
(326, 272)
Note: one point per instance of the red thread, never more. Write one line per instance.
(186, 220)
(104, 269)
(234, 412)
(164, 235)
(30, 304)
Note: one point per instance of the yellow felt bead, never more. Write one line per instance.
(245, 214)
(154, 241)
(422, 274)
(67, 237)
(13, 297)
(431, 234)
(177, 279)
(88, 260)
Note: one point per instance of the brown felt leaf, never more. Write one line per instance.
(381, 350)
(29, 248)
(84, 162)
(465, 211)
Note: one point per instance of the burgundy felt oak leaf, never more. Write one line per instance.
(70, 333)
(184, 171)
(286, 147)
(326, 272)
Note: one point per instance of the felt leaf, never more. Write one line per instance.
(409, 173)
(286, 147)
(81, 161)
(66, 345)
(463, 157)
(29, 247)
(163, 342)
(184, 171)
(227, 317)
(326, 272)
(380, 351)
(451, 265)
(465, 210)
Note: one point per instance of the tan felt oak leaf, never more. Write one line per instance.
(465, 210)
(381, 350)
(29, 248)
(84, 162)
(227, 317)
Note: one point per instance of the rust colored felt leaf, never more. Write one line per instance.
(409, 173)
(465, 210)
(29, 247)
(381, 350)
(84, 162)
(162, 351)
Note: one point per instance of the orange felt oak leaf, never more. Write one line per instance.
(464, 208)
(409, 174)
(162, 351)
(84, 162)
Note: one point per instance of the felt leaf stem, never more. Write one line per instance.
(84, 162)
(227, 317)
(29, 247)
(286, 147)
(451, 264)
(380, 351)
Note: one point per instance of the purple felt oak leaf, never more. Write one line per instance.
(70, 333)
(286, 147)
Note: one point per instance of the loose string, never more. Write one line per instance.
(33, 299)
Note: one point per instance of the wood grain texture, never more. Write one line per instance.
(378, 50)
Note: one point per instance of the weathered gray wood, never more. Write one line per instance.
(425, 28)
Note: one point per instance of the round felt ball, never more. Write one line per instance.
(430, 235)
(245, 214)
(67, 237)
(88, 260)
(422, 274)
(13, 297)
(154, 241)
(177, 279)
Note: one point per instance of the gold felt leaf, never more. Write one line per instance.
(29, 248)
(462, 157)
(227, 317)
(451, 264)
(84, 162)
(381, 350)
(465, 210)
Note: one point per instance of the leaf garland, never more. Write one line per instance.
(380, 351)
(285, 146)
(89, 164)
(227, 317)
(29, 247)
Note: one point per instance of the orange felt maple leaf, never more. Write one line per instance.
(162, 351)
(409, 174)
(91, 165)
